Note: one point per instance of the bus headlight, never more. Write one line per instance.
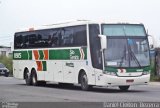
(111, 73)
(145, 73)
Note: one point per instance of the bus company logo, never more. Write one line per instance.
(17, 55)
(73, 56)
(72, 52)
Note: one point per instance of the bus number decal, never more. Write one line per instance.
(17, 55)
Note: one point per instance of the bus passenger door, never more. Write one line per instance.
(68, 69)
(58, 72)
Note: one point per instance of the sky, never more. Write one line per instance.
(17, 14)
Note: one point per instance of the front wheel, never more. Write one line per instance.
(84, 82)
(124, 88)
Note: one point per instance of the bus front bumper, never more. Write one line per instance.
(122, 81)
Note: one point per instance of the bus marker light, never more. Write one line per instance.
(31, 29)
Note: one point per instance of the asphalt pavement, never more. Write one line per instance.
(15, 90)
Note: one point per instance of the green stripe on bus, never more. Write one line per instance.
(41, 55)
(44, 63)
(57, 54)
(30, 55)
(115, 69)
(111, 69)
(85, 52)
(67, 54)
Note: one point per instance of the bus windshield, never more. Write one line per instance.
(126, 47)
(124, 30)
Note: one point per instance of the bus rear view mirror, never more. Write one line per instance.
(103, 39)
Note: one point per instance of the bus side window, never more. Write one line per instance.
(18, 41)
(25, 41)
(32, 40)
(53, 38)
(21, 41)
(80, 36)
(67, 36)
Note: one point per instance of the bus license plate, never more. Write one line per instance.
(129, 81)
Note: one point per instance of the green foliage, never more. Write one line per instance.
(7, 61)
(153, 75)
(153, 69)
(155, 78)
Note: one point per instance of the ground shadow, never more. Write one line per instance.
(94, 89)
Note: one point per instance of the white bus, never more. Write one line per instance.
(83, 52)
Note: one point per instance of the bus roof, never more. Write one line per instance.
(69, 23)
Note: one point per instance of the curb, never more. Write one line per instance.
(154, 83)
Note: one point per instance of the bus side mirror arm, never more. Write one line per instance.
(103, 39)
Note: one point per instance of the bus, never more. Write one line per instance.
(83, 52)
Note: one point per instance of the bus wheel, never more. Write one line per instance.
(27, 77)
(124, 88)
(84, 82)
(34, 79)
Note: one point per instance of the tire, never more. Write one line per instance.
(84, 82)
(124, 88)
(27, 77)
(34, 79)
(7, 75)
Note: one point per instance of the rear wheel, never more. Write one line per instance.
(124, 88)
(27, 77)
(34, 79)
(84, 82)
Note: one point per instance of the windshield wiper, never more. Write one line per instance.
(124, 55)
(130, 52)
(133, 56)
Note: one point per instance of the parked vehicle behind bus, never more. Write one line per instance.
(3, 70)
